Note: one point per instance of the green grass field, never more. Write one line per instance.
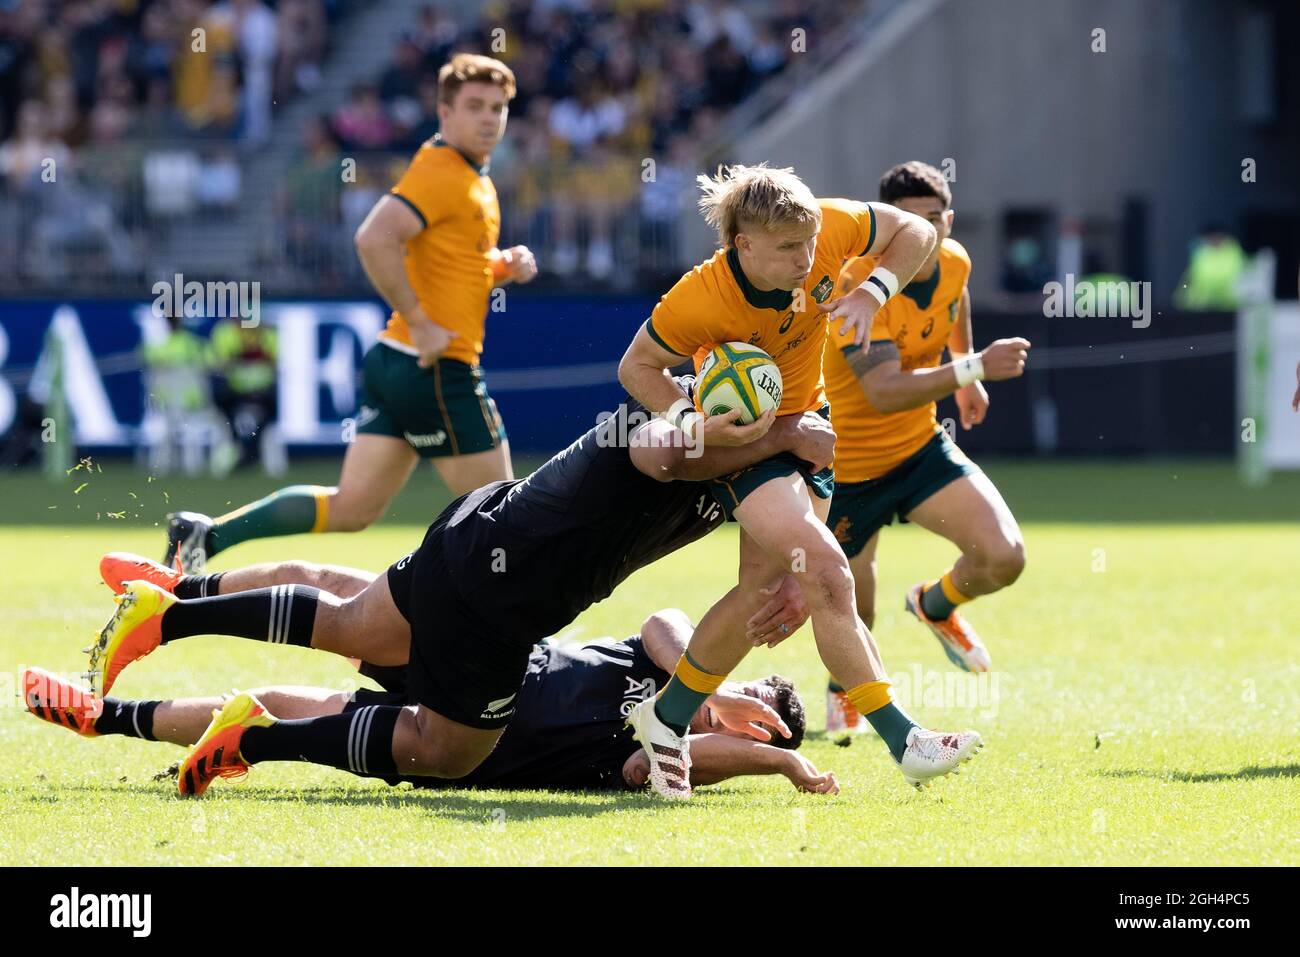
(1144, 710)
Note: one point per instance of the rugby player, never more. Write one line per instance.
(430, 249)
(893, 459)
(569, 730)
(770, 284)
(499, 570)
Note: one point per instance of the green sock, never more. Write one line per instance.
(678, 704)
(290, 511)
(892, 723)
(935, 603)
(833, 685)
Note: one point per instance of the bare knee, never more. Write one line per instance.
(352, 513)
(1003, 561)
(828, 582)
(428, 755)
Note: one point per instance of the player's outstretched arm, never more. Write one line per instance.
(880, 372)
(716, 757)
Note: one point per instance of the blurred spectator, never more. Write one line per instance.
(1210, 282)
(663, 201)
(120, 79)
(402, 79)
(32, 152)
(301, 33)
(310, 201)
(63, 219)
(592, 186)
(603, 87)
(255, 27)
(362, 122)
(180, 417)
(243, 363)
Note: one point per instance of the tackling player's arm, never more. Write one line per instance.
(381, 246)
(901, 244)
(717, 757)
(879, 369)
(658, 449)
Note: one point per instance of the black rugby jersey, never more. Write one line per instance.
(568, 729)
(530, 555)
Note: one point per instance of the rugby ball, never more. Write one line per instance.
(736, 375)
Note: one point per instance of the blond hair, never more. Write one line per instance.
(741, 198)
(473, 68)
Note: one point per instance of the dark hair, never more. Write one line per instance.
(790, 707)
(912, 179)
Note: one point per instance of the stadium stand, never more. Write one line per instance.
(148, 107)
(166, 143)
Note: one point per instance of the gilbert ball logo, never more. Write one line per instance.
(134, 911)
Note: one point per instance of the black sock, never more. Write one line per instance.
(282, 615)
(359, 741)
(131, 718)
(199, 586)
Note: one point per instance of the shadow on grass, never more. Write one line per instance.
(1188, 777)
(466, 804)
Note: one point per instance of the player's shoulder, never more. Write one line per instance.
(951, 251)
(846, 224)
(702, 279)
(437, 158)
(840, 206)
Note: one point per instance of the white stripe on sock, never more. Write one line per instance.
(365, 740)
(135, 720)
(270, 625)
(287, 613)
(352, 740)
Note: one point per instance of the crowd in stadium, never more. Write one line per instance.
(101, 85)
(603, 86)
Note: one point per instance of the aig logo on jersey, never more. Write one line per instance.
(635, 693)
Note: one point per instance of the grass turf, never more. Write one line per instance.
(1144, 708)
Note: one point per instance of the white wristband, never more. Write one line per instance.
(882, 284)
(677, 410)
(887, 277)
(969, 369)
(876, 291)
